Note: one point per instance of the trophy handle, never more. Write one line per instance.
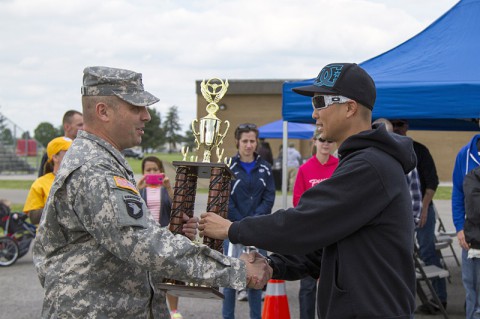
(195, 133)
(185, 152)
(222, 136)
(220, 154)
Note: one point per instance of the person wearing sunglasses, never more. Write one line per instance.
(252, 193)
(358, 224)
(317, 169)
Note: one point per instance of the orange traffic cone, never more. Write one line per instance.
(275, 305)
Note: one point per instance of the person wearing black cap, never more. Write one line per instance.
(357, 225)
(99, 253)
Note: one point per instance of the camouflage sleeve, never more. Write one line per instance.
(117, 218)
(38, 255)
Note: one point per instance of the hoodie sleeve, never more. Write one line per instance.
(309, 226)
(294, 267)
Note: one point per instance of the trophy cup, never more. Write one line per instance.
(208, 137)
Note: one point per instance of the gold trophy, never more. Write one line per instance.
(208, 137)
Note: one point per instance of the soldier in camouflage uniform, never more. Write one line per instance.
(98, 247)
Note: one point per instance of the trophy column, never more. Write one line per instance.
(187, 174)
(209, 137)
(183, 196)
(218, 196)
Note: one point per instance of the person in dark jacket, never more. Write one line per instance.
(252, 194)
(357, 225)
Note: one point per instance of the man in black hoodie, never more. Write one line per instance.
(354, 230)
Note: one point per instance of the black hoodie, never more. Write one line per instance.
(361, 219)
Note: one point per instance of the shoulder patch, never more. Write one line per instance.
(134, 206)
(126, 184)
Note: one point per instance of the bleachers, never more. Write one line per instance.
(10, 163)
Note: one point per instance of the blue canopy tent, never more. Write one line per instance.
(433, 79)
(295, 130)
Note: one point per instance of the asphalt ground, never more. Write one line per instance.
(21, 294)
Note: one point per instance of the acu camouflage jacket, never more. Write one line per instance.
(98, 247)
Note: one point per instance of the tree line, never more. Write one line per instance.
(158, 133)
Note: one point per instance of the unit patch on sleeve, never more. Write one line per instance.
(134, 206)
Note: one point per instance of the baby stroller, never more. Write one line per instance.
(17, 236)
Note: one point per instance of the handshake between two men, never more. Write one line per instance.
(215, 226)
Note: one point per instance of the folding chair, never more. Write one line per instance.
(441, 226)
(444, 239)
(425, 274)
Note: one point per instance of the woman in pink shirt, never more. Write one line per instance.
(317, 169)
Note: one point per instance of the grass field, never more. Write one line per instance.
(443, 192)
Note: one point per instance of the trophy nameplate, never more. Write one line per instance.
(207, 137)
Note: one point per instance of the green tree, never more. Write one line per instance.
(6, 136)
(171, 126)
(5, 133)
(25, 135)
(45, 132)
(153, 134)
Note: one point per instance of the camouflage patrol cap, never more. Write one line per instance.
(125, 84)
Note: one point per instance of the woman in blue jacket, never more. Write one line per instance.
(252, 193)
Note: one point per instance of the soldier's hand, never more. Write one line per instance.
(214, 226)
(190, 226)
(258, 270)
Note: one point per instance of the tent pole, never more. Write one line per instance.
(284, 165)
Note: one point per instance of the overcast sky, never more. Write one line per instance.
(46, 44)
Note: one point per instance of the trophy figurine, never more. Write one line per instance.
(209, 137)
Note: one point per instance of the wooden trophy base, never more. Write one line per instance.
(191, 291)
(183, 203)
